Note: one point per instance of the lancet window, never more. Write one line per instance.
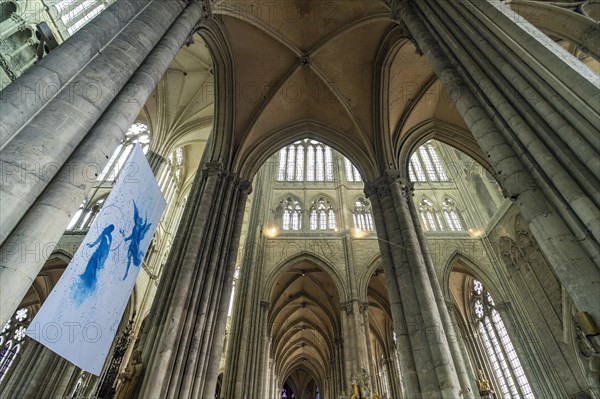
(362, 216)
(305, 160)
(452, 215)
(171, 175)
(352, 174)
(322, 216)
(429, 216)
(292, 214)
(74, 14)
(425, 165)
(12, 337)
(137, 133)
(509, 373)
(84, 217)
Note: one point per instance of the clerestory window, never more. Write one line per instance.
(425, 165)
(305, 161)
(137, 133)
(352, 174)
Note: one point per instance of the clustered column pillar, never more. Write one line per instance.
(426, 358)
(87, 129)
(190, 309)
(536, 125)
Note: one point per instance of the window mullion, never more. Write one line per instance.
(500, 353)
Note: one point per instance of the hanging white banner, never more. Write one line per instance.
(81, 315)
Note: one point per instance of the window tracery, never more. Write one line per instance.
(84, 217)
(12, 338)
(452, 215)
(425, 165)
(498, 345)
(429, 216)
(362, 215)
(171, 176)
(74, 14)
(137, 133)
(352, 174)
(305, 160)
(322, 215)
(291, 214)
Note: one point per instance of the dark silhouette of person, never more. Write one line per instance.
(140, 228)
(87, 280)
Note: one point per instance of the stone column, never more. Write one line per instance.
(35, 377)
(247, 353)
(25, 96)
(187, 312)
(20, 372)
(555, 203)
(156, 161)
(365, 336)
(24, 253)
(410, 379)
(393, 378)
(450, 328)
(36, 150)
(435, 370)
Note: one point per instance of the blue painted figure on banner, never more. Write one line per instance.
(92, 294)
(140, 228)
(87, 280)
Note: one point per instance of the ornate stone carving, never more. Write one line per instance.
(364, 308)
(245, 186)
(129, 377)
(347, 306)
(213, 169)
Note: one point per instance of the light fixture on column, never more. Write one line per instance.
(271, 231)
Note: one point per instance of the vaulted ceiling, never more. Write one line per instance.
(338, 71)
(304, 322)
(329, 67)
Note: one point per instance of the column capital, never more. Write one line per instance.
(381, 185)
(347, 306)
(205, 14)
(213, 168)
(245, 186)
(397, 8)
(364, 308)
(206, 6)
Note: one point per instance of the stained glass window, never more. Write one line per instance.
(12, 338)
(503, 358)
